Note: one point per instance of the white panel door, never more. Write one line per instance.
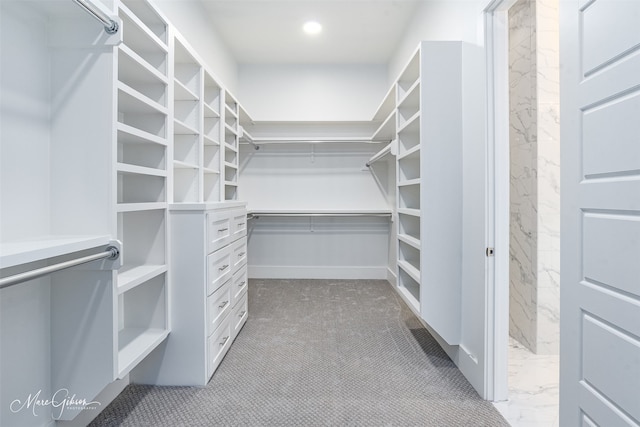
(600, 287)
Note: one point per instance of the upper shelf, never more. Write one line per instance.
(44, 247)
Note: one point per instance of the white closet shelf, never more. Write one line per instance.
(230, 184)
(139, 170)
(132, 135)
(151, 41)
(410, 270)
(412, 212)
(230, 129)
(210, 171)
(135, 344)
(409, 240)
(230, 110)
(409, 152)
(411, 125)
(387, 106)
(43, 247)
(409, 182)
(230, 165)
(230, 147)
(210, 141)
(181, 128)
(130, 276)
(411, 96)
(137, 207)
(178, 164)
(142, 63)
(210, 112)
(132, 101)
(182, 93)
(387, 130)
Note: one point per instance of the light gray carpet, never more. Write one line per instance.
(319, 353)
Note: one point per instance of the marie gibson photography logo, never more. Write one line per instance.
(60, 401)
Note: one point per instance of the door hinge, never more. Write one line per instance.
(490, 251)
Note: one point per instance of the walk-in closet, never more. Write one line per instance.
(254, 212)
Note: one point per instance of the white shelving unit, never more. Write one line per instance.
(428, 98)
(142, 135)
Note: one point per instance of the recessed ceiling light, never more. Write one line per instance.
(312, 27)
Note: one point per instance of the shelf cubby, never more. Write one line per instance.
(409, 197)
(409, 167)
(409, 286)
(230, 191)
(211, 95)
(136, 112)
(140, 188)
(409, 225)
(211, 187)
(230, 172)
(409, 76)
(149, 18)
(131, 135)
(186, 149)
(409, 106)
(143, 234)
(188, 114)
(409, 134)
(211, 157)
(211, 130)
(140, 77)
(146, 155)
(143, 41)
(185, 184)
(142, 321)
(410, 256)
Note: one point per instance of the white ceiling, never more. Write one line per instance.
(270, 31)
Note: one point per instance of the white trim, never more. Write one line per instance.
(316, 272)
(497, 291)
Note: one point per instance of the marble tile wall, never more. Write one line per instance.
(534, 190)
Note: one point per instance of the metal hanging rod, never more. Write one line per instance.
(256, 215)
(110, 26)
(111, 253)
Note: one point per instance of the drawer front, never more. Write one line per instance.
(239, 223)
(218, 344)
(239, 284)
(219, 269)
(218, 230)
(239, 315)
(239, 254)
(219, 304)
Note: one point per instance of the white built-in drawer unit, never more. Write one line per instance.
(209, 301)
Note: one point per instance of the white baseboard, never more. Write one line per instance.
(313, 272)
(391, 277)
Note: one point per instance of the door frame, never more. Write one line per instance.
(496, 39)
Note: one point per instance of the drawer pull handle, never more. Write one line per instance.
(241, 254)
(242, 313)
(223, 229)
(242, 283)
(224, 267)
(223, 304)
(224, 340)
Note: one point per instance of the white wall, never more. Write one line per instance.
(312, 92)
(24, 165)
(191, 20)
(439, 20)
